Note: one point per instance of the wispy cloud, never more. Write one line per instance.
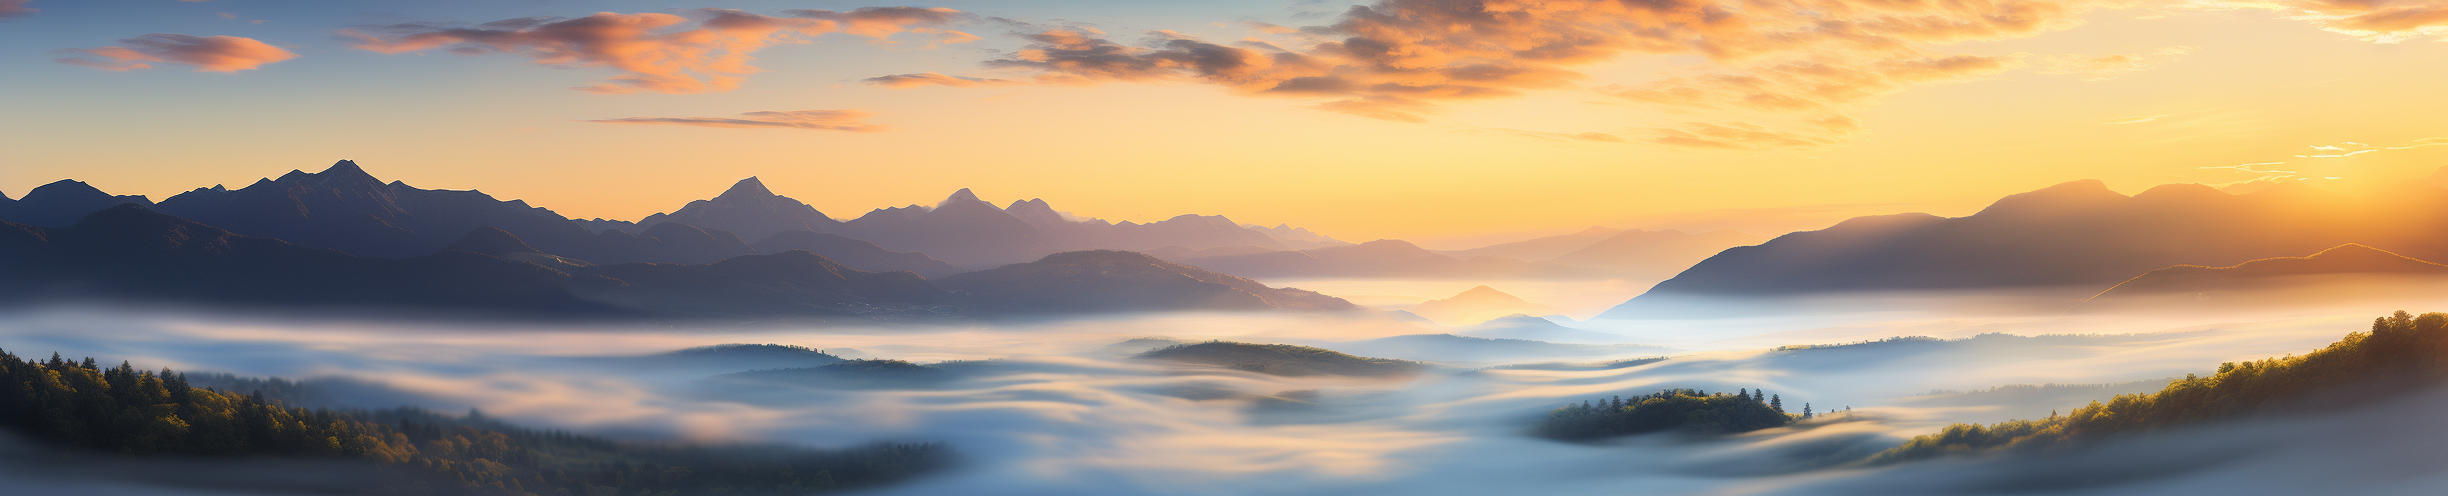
(826, 120)
(16, 8)
(205, 53)
(697, 51)
(2111, 66)
(934, 79)
(2349, 148)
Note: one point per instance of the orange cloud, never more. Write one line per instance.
(2384, 21)
(934, 79)
(828, 120)
(16, 8)
(1401, 60)
(706, 50)
(206, 53)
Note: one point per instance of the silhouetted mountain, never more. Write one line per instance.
(2076, 235)
(1380, 258)
(792, 283)
(1191, 231)
(1653, 253)
(724, 358)
(1108, 281)
(1180, 253)
(851, 374)
(2272, 273)
(61, 203)
(129, 252)
(1296, 238)
(750, 211)
(856, 253)
(1523, 326)
(1542, 248)
(962, 230)
(493, 241)
(1282, 359)
(344, 208)
(1477, 304)
(1452, 348)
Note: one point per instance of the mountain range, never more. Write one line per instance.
(2075, 238)
(129, 252)
(2346, 273)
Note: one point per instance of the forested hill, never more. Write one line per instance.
(83, 407)
(2401, 352)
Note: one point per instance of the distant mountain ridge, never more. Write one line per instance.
(750, 211)
(347, 209)
(1109, 280)
(129, 252)
(2078, 235)
(2347, 259)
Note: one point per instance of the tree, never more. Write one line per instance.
(1776, 402)
(1806, 413)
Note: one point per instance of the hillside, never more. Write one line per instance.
(128, 413)
(2401, 353)
(1282, 359)
(1380, 258)
(855, 253)
(2274, 273)
(1478, 304)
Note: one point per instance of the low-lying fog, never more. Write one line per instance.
(1060, 409)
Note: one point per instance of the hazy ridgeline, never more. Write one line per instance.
(1061, 408)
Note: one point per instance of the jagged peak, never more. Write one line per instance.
(747, 188)
(962, 197)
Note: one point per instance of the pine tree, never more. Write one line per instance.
(1806, 413)
(1777, 403)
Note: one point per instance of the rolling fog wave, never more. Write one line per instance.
(1051, 409)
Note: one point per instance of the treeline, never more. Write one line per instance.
(81, 405)
(2400, 350)
(1689, 410)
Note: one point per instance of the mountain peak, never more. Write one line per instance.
(347, 168)
(65, 188)
(747, 188)
(962, 196)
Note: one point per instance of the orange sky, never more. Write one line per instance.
(2136, 97)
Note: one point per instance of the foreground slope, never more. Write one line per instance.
(2401, 353)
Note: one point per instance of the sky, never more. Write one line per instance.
(1450, 122)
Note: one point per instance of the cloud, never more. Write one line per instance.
(16, 8)
(1746, 136)
(2381, 21)
(934, 79)
(1797, 63)
(700, 50)
(828, 120)
(1403, 60)
(2112, 66)
(206, 53)
(1589, 137)
(2349, 148)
